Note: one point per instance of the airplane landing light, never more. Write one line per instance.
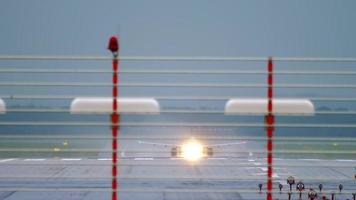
(192, 150)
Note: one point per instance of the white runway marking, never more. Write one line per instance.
(71, 159)
(275, 175)
(8, 160)
(143, 158)
(104, 159)
(309, 159)
(35, 159)
(217, 158)
(346, 160)
(251, 160)
(263, 168)
(257, 163)
(260, 174)
(176, 158)
(305, 159)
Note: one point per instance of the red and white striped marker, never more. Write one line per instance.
(115, 117)
(269, 124)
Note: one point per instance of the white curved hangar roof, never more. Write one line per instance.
(258, 106)
(104, 105)
(2, 107)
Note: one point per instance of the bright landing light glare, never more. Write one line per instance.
(192, 150)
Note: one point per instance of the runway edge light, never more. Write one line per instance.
(257, 106)
(2, 107)
(93, 105)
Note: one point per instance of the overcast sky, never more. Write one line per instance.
(180, 28)
(300, 28)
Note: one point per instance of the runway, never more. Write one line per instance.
(165, 178)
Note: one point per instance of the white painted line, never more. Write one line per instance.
(284, 174)
(346, 160)
(104, 159)
(71, 159)
(217, 158)
(143, 158)
(8, 160)
(263, 168)
(265, 174)
(279, 168)
(176, 158)
(275, 176)
(276, 159)
(251, 160)
(287, 159)
(257, 163)
(260, 174)
(35, 159)
(309, 159)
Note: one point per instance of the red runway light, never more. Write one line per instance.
(113, 44)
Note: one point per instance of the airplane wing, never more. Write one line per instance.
(226, 144)
(158, 144)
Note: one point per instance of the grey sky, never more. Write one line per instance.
(322, 28)
(318, 28)
(197, 27)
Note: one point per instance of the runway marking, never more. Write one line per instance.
(217, 158)
(143, 159)
(275, 175)
(35, 159)
(260, 174)
(71, 159)
(263, 168)
(346, 160)
(288, 159)
(176, 158)
(251, 160)
(310, 159)
(104, 159)
(8, 160)
(257, 163)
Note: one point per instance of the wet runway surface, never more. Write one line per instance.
(165, 178)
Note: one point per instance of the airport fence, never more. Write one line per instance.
(123, 153)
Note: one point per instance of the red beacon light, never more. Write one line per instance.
(113, 45)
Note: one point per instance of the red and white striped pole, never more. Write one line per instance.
(115, 117)
(269, 124)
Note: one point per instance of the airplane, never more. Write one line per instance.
(192, 149)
